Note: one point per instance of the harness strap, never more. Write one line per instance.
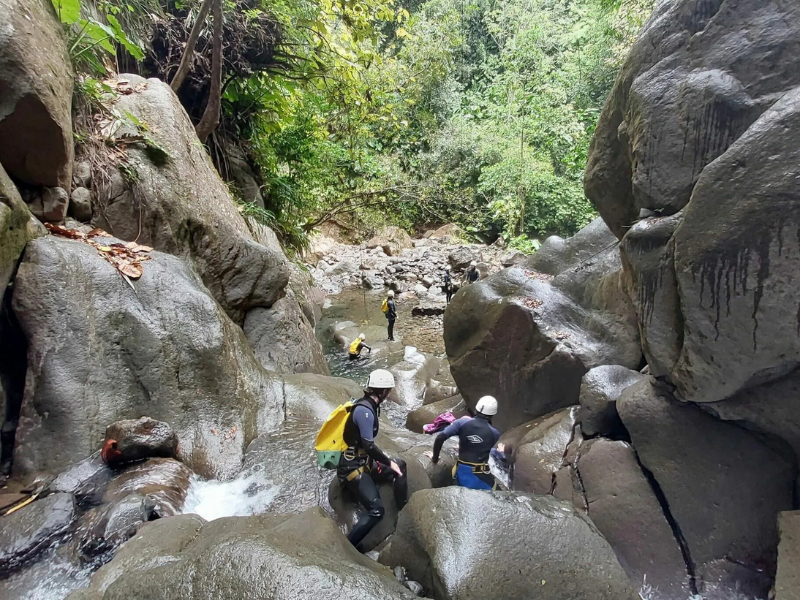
(356, 472)
(476, 467)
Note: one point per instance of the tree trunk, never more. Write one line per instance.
(210, 119)
(188, 52)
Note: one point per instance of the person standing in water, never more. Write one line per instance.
(391, 313)
(476, 438)
(363, 465)
(357, 345)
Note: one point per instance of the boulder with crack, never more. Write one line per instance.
(600, 389)
(101, 350)
(722, 485)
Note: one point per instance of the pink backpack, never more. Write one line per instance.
(439, 423)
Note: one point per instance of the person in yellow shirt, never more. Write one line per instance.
(357, 345)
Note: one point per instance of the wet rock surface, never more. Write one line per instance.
(34, 527)
(600, 390)
(787, 581)
(165, 349)
(446, 539)
(298, 557)
(137, 439)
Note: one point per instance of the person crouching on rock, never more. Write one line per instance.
(363, 465)
(391, 314)
(476, 438)
(357, 345)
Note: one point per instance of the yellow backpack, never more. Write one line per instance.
(354, 345)
(385, 305)
(330, 439)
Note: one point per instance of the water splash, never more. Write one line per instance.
(249, 494)
(54, 577)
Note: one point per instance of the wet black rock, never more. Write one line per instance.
(31, 529)
(600, 389)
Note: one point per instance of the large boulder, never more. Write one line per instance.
(723, 485)
(392, 240)
(736, 278)
(520, 338)
(558, 254)
(163, 481)
(282, 338)
(623, 506)
(33, 528)
(412, 376)
(17, 228)
(36, 101)
(100, 351)
(300, 557)
(697, 77)
(647, 253)
(449, 540)
(181, 206)
(787, 582)
(427, 413)
(460, 257)
(600, 389)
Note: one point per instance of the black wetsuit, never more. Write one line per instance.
(391, 314)
(362, 453)
(448, 287)
(472, 275)
(476, 438)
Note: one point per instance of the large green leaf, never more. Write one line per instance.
(123, 39)
(69, 11)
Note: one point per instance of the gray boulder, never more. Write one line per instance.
(411, 378)
(448, 540)
(36, 104)
(697, 77)
(137, 439)
(164, 348)
(460, 257)
(17, 227)
(600, 390)
(787, 582)
(524, 341)
(50, 205)
(623, 506)
(181, 206)
(242, 175)
(301, 557)
(723, 485)
(427, 413)
(540, 449)
(33, 528)
(80, 204)
(647, 253)
(558, 254)
(282, 338)
(104, 529)
(392, 240)
(735, 279)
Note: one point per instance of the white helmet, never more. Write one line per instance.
(361, 336)
(473, 263)
(382, 379)
(487, 406)
(391, 294)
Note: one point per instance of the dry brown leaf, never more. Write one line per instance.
(132, 270)
(97, 232)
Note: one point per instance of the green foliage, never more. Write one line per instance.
(93, 38)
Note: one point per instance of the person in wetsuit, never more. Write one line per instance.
(472, 273)
(448, 284)
(391, 314)
(357, 345)
(363, 465)
(476, 438)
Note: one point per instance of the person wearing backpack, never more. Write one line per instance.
(356, 346)
(448, 284)
(390, 311)
(476, 438)
(362, 466)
